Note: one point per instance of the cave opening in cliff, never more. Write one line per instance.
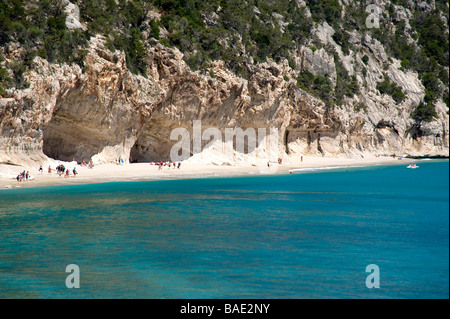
(68, 138)
(153, 143)
(144, 153)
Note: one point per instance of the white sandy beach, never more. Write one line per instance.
(145, 171)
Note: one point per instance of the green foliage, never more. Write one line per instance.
(406, 64)
(445, 98)
(432, 88)
(12, 16)
(342, 38)
(392, 89)
(356, 15)
(433, 40)
(228, 30)
(322, 87)
(429, 59)
(424, 112)
(325, 10)
(136, 53)
(305, 80)
(40, 29)
(403, 3)
(345, 85)
(260, 34)
(154, 29)
(360, 107)
(318, 85)
(365, 59)
(19, 69)
(121, 23)
(165, 42)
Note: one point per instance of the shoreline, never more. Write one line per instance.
(105, 173)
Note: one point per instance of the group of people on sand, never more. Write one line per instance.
(63, 171)
(168, 164)
(84, 163)
(25, 175)
(120, 161)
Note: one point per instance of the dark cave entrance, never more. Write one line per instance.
(150, 148)
(67, 138)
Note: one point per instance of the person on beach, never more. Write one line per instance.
(27, 175)
(61, 170)
(179, 165)
(41, 171)
(49, 169)
(91, 164)
(67, 173)
(74, 171)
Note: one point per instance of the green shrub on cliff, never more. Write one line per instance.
(430, 58)
(39, 27)
(234, 31)
(317, 85)
(390, 88)
(424, 112)
(325, 10)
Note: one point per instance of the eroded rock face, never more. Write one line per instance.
(318, 62)
(105, 112)
(70, 114)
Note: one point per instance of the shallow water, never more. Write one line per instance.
(307, 235)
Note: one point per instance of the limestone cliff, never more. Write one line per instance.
(104, 111)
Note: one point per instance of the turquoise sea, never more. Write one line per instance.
(307, 235)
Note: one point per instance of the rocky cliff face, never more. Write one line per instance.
(104, 111)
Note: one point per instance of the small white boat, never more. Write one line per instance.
(412, 166)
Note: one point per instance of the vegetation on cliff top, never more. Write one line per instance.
(39, 27)
(237, 32)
